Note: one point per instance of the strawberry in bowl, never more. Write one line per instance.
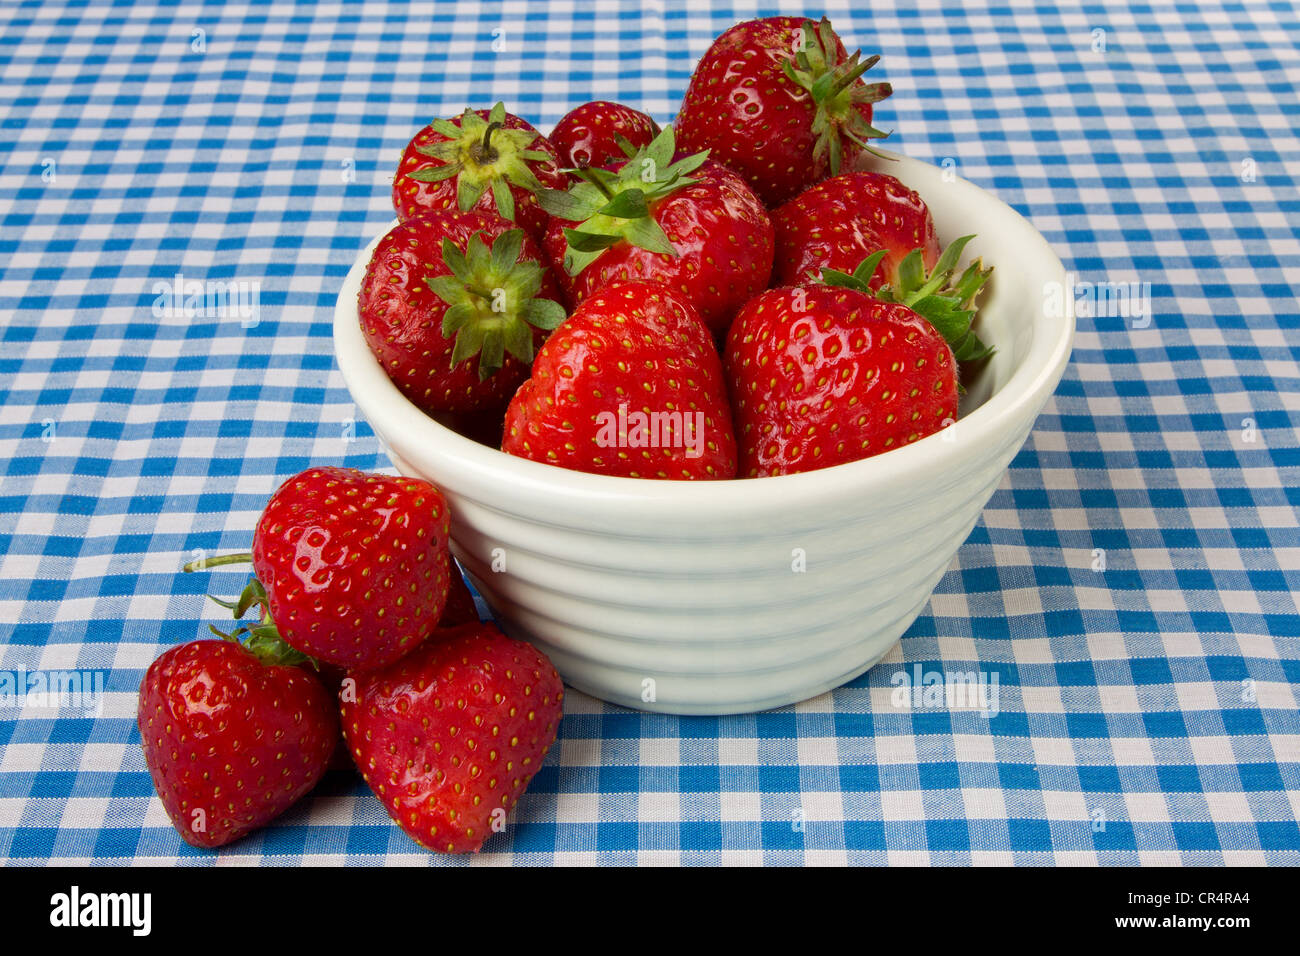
(454, 305)
(684, 221)
(826, 374)
(779, 101)
(599, 133)
(840, 221)
(630, 385)
(484, 160)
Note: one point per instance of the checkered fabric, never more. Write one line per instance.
(1131, 586)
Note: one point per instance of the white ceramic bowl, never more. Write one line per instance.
(682, 597)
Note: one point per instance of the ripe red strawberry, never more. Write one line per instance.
(490, 161)
(691, 224)
(629, 385)
(232, 737)
(843, 377)
(589, 134)
(779, 101)
(453, 305)
(449, 737)
(821, 375)
(352, 569)
(842, 220)
(941, 296)
(355, 565)
(460, 610)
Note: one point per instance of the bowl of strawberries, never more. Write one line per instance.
(712, 406)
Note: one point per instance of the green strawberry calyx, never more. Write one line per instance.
(263, 638)
(492, 301)
(942, 297)
(612, 207)
(835, 89)
(482, 154)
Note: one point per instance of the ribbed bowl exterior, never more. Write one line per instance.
(731, 597)
(720, 619)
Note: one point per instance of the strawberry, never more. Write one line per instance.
(779, 101)
(491, 161)
(449, 737)
(460, 609)
(629, 385)
(233, 736)
(453, 304)
(691, 224)
(826, 374)
(352, 569)
(945, 299)
(595, 134)
(842, 220)
(355, 565)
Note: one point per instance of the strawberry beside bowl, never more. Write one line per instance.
(739, 596)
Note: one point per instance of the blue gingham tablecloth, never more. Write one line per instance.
(1131, 586)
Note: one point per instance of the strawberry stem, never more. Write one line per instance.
(482, 153)
(592, 178)
(853, 74)
(262, 639)
(485, 153)
(202, 564)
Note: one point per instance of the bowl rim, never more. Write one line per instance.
(1021, 397)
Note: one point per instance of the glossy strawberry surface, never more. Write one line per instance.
(842, 220)
(411, 196)
(821, 375)
(723, 239)
(630, 350)
(587, 135)
(449, 737)
(743, 107)
(402, 316)
(355, 565)
(230, 742)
